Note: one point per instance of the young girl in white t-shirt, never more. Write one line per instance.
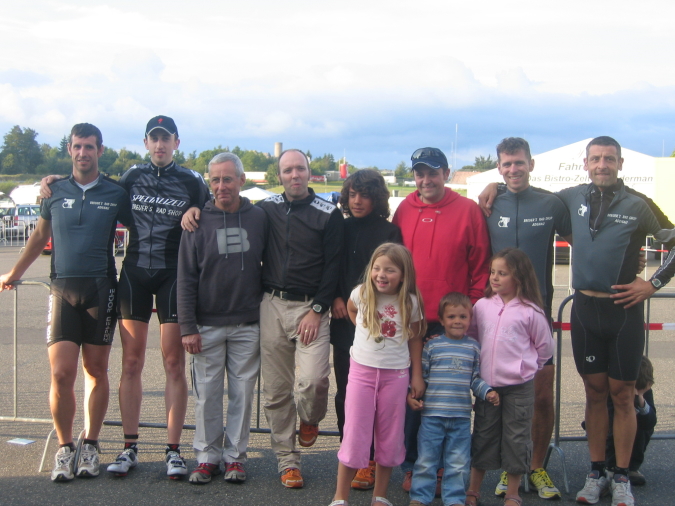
(388, 313)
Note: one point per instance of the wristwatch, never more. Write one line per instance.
(317, 308)
(656, 283)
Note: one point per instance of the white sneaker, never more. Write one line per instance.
(63, 465)
(175, 465)
(87, 464)
(596, 486)
(621, 493)
(124, 461)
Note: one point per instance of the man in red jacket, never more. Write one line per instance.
(450, 246)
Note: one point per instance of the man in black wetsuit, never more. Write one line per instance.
(609, 225)
(82, 215)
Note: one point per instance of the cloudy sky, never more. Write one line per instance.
(375, 79)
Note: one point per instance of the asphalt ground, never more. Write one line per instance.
(22, 484)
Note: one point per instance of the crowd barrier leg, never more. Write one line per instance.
(15, 418)
(558, 378)
(44, 452)
(558, 387)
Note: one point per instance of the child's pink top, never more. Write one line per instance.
(515, 340)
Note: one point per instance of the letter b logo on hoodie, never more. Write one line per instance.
(232, 240)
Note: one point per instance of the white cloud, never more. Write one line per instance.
(378, 78)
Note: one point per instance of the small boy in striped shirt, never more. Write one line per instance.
(450, 367)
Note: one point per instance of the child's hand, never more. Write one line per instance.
(493, 398)
(417, 387)
(415, 404)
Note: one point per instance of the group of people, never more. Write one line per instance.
(419, 310)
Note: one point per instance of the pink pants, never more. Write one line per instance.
(374, 407)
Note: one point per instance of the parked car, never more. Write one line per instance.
(21, 219)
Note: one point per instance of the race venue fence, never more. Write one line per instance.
(559, 326)
(15, 416)
(257, 425)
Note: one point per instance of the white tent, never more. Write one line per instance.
(564, 167)
(26, 193)
(254, 194)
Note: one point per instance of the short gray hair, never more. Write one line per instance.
(228, 157)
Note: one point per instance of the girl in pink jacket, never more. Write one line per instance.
(515, 339)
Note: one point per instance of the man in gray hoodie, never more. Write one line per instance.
(219, 293)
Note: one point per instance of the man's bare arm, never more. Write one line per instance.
(36, 243)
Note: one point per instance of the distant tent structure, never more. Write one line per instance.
(255, 194)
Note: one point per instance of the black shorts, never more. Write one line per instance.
(606, 337)
(138, 285)
(82, 310)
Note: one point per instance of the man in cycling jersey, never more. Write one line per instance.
(82, 215)
(161, 192)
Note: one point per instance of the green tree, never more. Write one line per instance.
(190, 160)
(320, 166)
(125, 160)
(25, 151)
(402, 170)
(179, 157)
(272, 176)
(482, 164)
(8, 163)
(201, 162)
(108, 158)
(254, 161)
(63, 147)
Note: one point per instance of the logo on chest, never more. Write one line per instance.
(68, 203)
(232, 240)
(503, 221)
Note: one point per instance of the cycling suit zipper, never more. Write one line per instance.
(152, 221)
(79, 220)
(287, 259)
(517, 211)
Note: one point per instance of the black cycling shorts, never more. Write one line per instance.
(606, 337)
(136, 288)
(82, 310)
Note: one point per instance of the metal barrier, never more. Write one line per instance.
(559, 327)
(113, 423)
(14, 235)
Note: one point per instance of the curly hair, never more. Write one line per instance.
(370, 183)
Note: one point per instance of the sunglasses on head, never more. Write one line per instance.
(427, 153)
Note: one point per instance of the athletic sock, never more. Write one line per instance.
(93, 442)
(69, 445)
(598, 466)
(172, 448)
(131, 446)
(620, 470)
